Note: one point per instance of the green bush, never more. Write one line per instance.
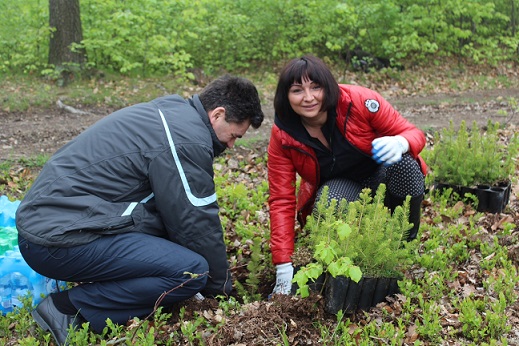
(355, 239)
(153, 37)
(468, 157)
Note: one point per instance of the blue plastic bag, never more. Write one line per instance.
(17, 279)
(8, 212)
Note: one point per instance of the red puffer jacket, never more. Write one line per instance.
(288, 157)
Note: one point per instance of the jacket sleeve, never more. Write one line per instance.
(380, 116)
(389, 122)
(185, 197)
(282, 199)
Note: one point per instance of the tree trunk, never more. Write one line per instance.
(65, 22)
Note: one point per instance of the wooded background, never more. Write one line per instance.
(181, 37)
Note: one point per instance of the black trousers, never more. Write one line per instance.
(122, 275)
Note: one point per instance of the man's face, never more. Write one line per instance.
(226, 132)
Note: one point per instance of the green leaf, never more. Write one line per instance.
(324, 252)
(335, 270)
(310, 271)
(303, 291)
(314, 270)
(343, 230)
(355, 273)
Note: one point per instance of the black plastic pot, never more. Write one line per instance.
(492, 199)
(335, 293)
(344, 294)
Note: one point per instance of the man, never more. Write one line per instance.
(128, 208)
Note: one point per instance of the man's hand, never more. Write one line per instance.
(388, 150)
(284, 275)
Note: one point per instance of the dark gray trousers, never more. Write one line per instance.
(121, 276)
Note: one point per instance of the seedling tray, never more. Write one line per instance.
(344, 294)
(492, 198)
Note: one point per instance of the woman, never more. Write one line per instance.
(345, 137)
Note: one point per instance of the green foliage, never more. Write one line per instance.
(429, 325)
(136, 37)
(467, 157)
(245, 224)
(448, 242)
(176, 37)
(24, 35)
(483, 319)
(255, 267)
(189, 327)
(354, 239)
(502, 281)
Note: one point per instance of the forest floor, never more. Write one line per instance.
(43, 131)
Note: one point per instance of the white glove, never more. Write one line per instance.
(388, 150)
(284, 275)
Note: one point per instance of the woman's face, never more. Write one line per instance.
(306, 98)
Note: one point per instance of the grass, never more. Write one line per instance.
(22, 92)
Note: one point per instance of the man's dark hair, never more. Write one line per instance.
(237, 95)
(306, 67)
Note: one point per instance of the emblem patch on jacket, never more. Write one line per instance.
(372, 105)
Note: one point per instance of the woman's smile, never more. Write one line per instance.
(306, 98)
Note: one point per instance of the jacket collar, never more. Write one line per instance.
(218, 147)
(294, 127)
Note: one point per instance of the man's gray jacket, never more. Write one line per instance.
(146, 168)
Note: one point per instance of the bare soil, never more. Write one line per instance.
(43, 131)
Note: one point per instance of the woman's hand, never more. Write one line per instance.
(284, 275)
(388, 150)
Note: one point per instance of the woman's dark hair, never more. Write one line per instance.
(237, 95)
(306, 67)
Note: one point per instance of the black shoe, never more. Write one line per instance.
(50, 319)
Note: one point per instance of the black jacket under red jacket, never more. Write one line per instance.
(367, 116)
